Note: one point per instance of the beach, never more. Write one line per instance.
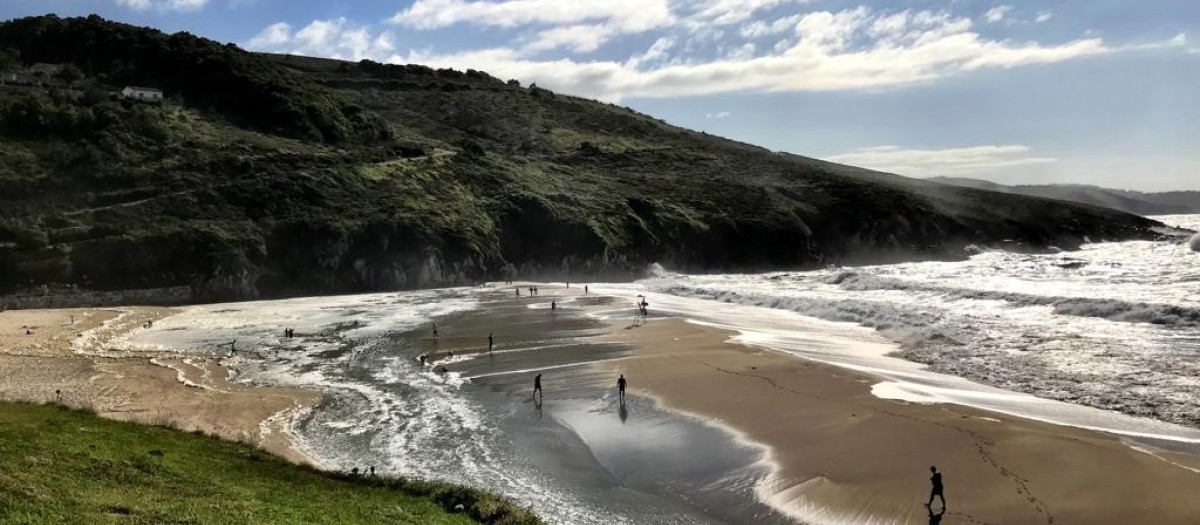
(66, 357)
(715, 430)
(841, 455)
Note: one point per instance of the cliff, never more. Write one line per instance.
(271, 175)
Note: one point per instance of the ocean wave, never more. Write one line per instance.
(1110, 309)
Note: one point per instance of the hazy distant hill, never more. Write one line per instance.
(271, 175)
(1167, 203)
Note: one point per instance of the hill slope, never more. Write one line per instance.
(295, 175)
(59, 466)
(1135, 202)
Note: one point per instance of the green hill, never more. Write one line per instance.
(1136, 202)
(59, 466)
(269, 175)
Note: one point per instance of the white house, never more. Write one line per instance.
(142, 93)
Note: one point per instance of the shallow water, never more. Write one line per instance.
(578, 458)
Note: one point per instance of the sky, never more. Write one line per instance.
(1102, 92)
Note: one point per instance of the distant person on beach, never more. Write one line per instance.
(537, 388)
(490, 341)
(518, 290)
(435, 333)
(553, 305)
(621, 387)
(585, 290)
(937, 490)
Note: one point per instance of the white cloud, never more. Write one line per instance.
(335, 38)
(916, 47)
(853, 49)
(718, 115)
(759, 28)
(164, 5)
(997, 13)
(578, 38)
(626, 15)
(734, 11)
(743, 52)
(655, 54)
(1043, 16)
(952, 161)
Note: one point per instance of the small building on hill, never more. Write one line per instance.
(142, 93)
(44, 69)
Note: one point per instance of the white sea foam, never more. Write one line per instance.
(1112, 326)
(382, 408)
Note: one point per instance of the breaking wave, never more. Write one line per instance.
(1114, 326)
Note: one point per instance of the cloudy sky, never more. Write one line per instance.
(1017, 91)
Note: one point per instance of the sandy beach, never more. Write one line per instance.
(833, 453)
(841, 455)
(65, 356)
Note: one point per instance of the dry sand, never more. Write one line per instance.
(64, 356)
(841, 455)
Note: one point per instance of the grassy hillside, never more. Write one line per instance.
(1136, 202)
(273, 175)
(59, 466)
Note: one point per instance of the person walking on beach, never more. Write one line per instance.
(553, 305)
(621, 387)
(435, 334)
(490, 341)
(537, 389)
(585, 291)
(938, 489)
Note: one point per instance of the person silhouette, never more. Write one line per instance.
(937, 489)
(936, 519)
(538, 395)
(490, 341)
(621, 387)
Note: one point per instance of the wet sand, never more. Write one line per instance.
(841, 455)
(45, 354)
(828, 451)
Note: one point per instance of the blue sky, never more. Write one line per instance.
(1016, 91)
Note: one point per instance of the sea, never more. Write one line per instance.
(1106, 337)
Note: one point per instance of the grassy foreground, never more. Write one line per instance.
(61, 466)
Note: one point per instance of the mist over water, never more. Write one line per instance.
(1114, 326)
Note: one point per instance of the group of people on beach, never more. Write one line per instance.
(289, 333)
(539, 395)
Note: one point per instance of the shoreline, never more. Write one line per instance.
(77, 352)
(839, 454)
(835, 452)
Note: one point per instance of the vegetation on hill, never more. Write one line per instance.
(269, 175)
(59, 466)
(1136, 202)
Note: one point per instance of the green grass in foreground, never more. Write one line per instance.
(62, 466)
